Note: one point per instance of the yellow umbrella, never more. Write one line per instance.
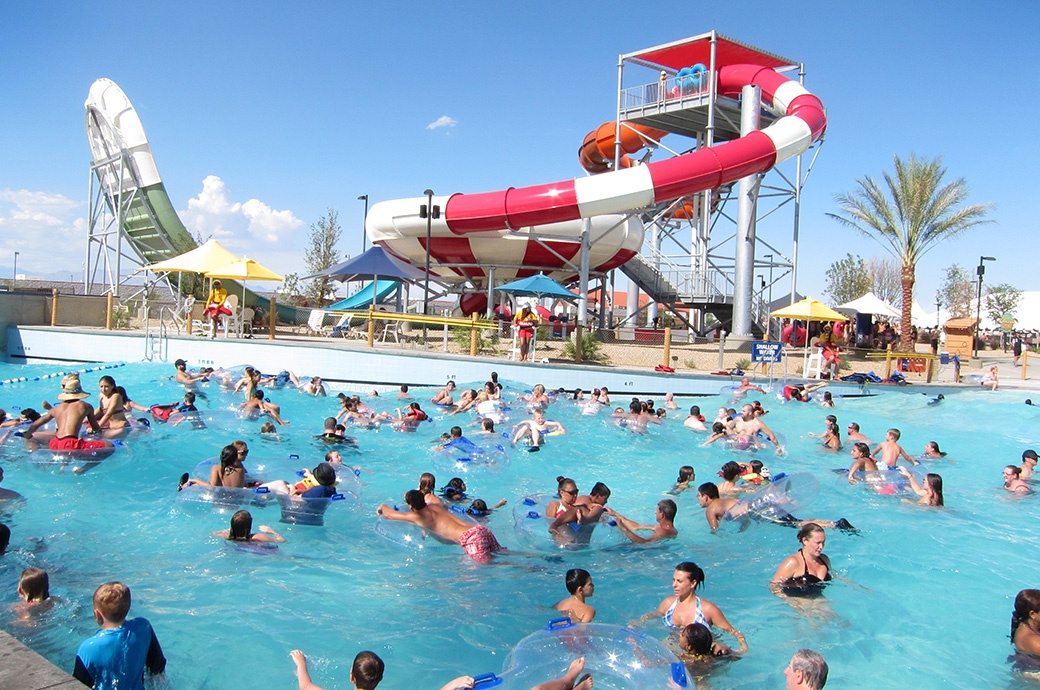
(202, 259)
(809, 309)
(242, 270)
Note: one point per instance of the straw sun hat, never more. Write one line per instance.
(71, 390)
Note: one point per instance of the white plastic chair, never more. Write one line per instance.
(315, 322)
(233, 321)
(814, 365)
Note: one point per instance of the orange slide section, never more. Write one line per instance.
(596, 154)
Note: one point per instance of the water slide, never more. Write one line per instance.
(494, 228)
(151, 223)
(362, 299)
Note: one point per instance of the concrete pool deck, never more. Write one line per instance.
(23, 669)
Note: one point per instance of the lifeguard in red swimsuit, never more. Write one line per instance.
(526, 321)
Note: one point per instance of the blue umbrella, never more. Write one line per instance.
(538, 286)
(372, 265)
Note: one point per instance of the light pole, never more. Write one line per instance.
(938, 306)
(14, 274)
(978, 303)
(364, 220)
(769, 305)
(429, 212)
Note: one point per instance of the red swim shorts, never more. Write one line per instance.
(75, 443)
(479, 543)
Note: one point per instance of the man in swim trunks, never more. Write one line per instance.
(715, 508)
(189, 381)
(256, 406)
(1028, 464)
(664, 529)
(443, 396)
(744, 387)
(853, 433)
(889, 451)
(70, 414)
(476, 540)
(749, 425)
(806, 671)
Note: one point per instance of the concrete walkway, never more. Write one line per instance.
(23, 669)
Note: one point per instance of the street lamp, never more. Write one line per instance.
(769, 305)
(364, 235)
(938, 306)
(429, 212)
(981, 270)
(14, 275)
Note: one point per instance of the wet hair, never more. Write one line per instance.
(457, 483)
(833, 428)
(635, 407)
(5, 537)
(324, 474)
(478, 507)
(831, 419)
(709, 490)
(415, 499)
(854, 426)
(828, 397)
(189, 397)
(668, 508)
(812, 667)
(934, 445)
(268, 428)
(686, 474)
(1027, 601)
(112, 601)
(731, 470)
(35, 584)
(427, 483)
(600, 489)
(576, 578)
(258, 394)
(863, 448)
(367, 670)
(695, 410)
(756, 466)
(934, 483)
(241, 526)
(456, 432)
(487, 424)
(32, 415)
(1015, 469)
(107, 379)
(240, 445)
(895, 433)
(693, 570)
(718, 428)
(807, 530)
(696, 638)
(228, 458)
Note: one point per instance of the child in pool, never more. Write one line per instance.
(682, 483)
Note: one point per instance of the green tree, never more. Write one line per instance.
(1000, 300)
(957, 292)
(322, 254)
(290, 292)
(910, 214)
(847, 279)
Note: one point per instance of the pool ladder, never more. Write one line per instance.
(157, 341)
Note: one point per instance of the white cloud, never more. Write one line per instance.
(213, 214)
(47, 230)
(442, 121)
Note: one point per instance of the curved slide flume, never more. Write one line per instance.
(468, 217)
(151, 224)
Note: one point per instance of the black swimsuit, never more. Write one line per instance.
(806, 584)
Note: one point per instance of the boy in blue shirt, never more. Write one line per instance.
(117, 655)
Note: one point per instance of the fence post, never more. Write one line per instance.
(1025, 363)
(578, 335)
(54, 307)
(888, 361)
(473, 336)
(722, 350)
(928, 376)
(108, 313)
(371, 325)
(272, 316)
(667, 346)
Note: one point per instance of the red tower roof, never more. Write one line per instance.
(690, 51)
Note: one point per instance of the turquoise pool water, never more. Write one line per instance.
(930, 606)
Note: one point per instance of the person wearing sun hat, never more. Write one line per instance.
(70, 414)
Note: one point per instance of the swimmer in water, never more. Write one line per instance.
(695, 421)
(931, 492)
(686, 475)
(936, 400)
(579, 584)
(852, 433)
(1025, 622)
(889, 451)
(1028, 464)
(241, 530)
(1013, 481)
(663, 529)
(535, 428)
(749, 425)
(861, 461)
(931, 450)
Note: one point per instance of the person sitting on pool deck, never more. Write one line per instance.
(1028, 464)
(70, 414)
(664, 529)
(242, 530)
(476, 540)
(890, 451)
(120, 652)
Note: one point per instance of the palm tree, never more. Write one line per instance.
(912, 213)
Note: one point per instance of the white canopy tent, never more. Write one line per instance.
(870, 304)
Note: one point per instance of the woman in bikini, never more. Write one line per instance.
(930, 492)
(803, 574)
(686, 607)
(242, 530)
(228, 473)
(111, 409)
(568, 491)
(1025, 622)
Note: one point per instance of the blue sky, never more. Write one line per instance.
(263, 114)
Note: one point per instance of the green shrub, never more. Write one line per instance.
(590, 349)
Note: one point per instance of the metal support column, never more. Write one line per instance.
(747, 195)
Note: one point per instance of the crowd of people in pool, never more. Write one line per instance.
(124, 649)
